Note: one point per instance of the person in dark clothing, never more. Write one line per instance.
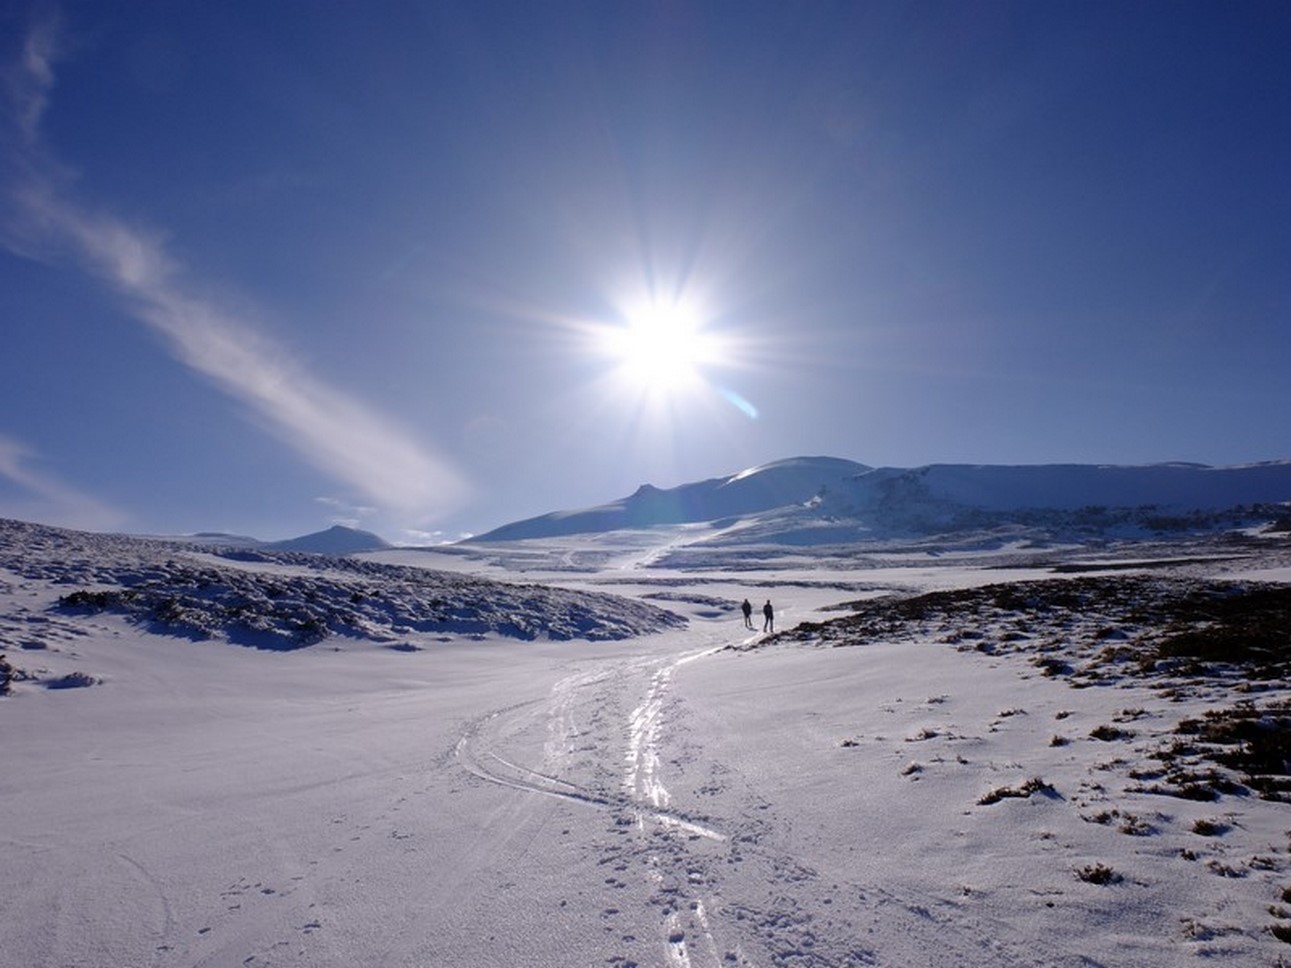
(747, 609)
(768, 616)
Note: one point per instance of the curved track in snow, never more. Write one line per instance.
(640, 803)
(714, 892)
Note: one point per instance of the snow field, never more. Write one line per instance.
(868, 766)
(661, 800)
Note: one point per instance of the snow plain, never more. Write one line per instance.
(687, 797)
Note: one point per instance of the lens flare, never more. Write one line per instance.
(738, 402)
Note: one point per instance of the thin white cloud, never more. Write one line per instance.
(345, 513)
(28, 84)
(334, 432)
(45, 497)
(415, 538)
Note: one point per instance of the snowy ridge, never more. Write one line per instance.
(758, 489)
(1166, 488)
(815, 501)
(283, 600)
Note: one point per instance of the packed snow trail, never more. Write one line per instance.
(687, 934)
(642, 801)
(714, 891)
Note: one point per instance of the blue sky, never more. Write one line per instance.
(269, 266)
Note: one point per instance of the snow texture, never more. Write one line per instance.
(969, 753)
(283, 600)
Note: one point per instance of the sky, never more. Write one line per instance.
(425, 268)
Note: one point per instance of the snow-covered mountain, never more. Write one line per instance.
(823, 500)
(785, 483)
(1069, 487)
(336, 540)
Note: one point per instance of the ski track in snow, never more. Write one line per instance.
(643, 781)
(700, 916)
(641, 803)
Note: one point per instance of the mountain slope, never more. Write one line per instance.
(1168, 487)
(336, 540)
(758, 489)
(821, 500)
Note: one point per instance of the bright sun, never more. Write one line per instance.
(662, 347)
(665, 357)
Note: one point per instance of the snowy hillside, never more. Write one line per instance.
(284, 600)
(781, 484)
(815, 501)
(1159, 497)
(1166, 487)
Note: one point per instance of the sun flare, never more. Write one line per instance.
(664, 357)
(662, 347)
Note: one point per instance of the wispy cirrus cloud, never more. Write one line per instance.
(333, 431)
(44, 496)
(28, 83)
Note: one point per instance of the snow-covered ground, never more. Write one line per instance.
(978, 778)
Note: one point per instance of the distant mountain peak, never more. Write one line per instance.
(336, 540)
(793, 481)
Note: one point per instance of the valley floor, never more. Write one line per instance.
(677, 799)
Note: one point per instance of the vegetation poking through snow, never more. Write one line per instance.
(1253, 740)
(1184, 636)
(1107, 733)
(1021, 792)
(1158, 625)
(288, 600)
(1098, 874)
(1130, 824)
(1209, 827)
